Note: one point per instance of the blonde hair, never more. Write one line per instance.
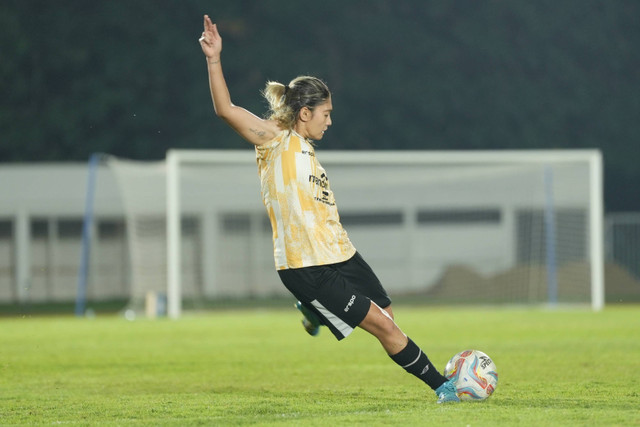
(285, 102)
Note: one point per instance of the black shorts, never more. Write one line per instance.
(340, 294)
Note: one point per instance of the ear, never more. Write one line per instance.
(305, 114)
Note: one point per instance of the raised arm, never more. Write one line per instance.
(251, 127)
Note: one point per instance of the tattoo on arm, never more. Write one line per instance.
(258, 132)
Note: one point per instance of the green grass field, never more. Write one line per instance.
(561, 367)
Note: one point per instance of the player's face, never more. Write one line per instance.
(320, 120)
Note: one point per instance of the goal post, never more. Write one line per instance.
(174, 296)
(596, 229)
(524, 225)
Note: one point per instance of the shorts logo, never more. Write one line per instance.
(351, 301)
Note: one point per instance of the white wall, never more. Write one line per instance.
(42, 207)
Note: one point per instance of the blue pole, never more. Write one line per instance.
(550, 237)
(87, 227)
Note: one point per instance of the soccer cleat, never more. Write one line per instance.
(310, 322)
(447, 393)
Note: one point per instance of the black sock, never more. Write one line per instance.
(416, 362)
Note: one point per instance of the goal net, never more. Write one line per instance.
(143, 192)
(489, 227)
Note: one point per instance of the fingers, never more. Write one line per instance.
(210, 33)
(207, 28)
(208, 25)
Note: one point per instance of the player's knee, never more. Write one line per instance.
(380, 323)
(389, 328)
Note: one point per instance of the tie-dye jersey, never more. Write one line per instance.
(301, 207)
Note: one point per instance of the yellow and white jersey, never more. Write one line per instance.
(300, 203)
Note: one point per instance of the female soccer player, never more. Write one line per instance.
(314, 257)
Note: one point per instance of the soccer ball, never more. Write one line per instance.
(473, 373)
